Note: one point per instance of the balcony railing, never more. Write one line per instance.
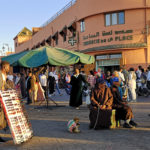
(71, 3)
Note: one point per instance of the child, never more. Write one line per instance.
(73, 125)
(86, 94)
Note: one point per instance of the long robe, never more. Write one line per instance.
(23, 86)
(51, 81)
(40, 93)
(76, 90)
(101, 118)
(123, 111)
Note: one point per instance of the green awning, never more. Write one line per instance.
(13, 59)
(54, 56)
(49, 55)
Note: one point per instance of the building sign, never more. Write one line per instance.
(72, 41)
(17, 120)
(107, 37)
(109, 56)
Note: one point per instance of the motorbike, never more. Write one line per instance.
(141, 88)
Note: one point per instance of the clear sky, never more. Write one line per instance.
(17, 14)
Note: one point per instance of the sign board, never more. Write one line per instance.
(72, 41)
(107, 37)
(16, 117)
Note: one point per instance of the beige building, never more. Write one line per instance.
(116, 32)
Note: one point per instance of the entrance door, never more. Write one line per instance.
(108, 65)
(110, 68)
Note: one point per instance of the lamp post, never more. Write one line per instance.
(5, 49)
(7, 46)
(3, 52)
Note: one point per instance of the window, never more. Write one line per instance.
(73, 31)
(63, 33)
(107, 19)
(82, 26)
(56, 40)
(121, 17)
(64, 36)
(48, 41)
(114, 18)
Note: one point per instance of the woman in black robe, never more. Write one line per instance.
(23, 85)
(51, 81)
(76, 90)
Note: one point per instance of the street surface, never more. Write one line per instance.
(50, 129)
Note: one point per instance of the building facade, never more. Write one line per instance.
(116, 32)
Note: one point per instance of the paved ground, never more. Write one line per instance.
(50, 132)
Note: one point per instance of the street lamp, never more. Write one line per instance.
(6, 45)
(3, 48)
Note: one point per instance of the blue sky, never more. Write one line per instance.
(17, 14)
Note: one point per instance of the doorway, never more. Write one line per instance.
(110, 68)
(108, 65)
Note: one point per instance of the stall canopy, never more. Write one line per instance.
(13, 59)
(49, 55)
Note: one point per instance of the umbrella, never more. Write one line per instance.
(13, 59)
(53, 56)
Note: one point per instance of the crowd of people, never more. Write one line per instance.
(103, 92)
(125, 81)
(35, 85)
(129, 83)
(106, 92)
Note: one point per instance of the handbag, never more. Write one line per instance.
(3, 122)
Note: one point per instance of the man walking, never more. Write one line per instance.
(3, 85)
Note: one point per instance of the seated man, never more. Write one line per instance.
(101, 106)
(123, 111)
